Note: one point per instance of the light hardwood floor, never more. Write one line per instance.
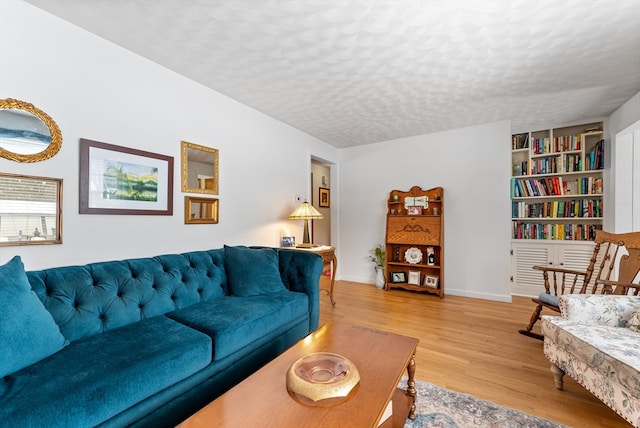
(472, 346)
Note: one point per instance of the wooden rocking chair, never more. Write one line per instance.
(596, 279)
(628, 281)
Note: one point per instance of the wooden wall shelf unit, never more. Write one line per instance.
(414, 241)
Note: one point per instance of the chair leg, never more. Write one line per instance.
(558, 374)
(534, 318)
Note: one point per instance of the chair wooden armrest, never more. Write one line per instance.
(617, 287)
(560, 270)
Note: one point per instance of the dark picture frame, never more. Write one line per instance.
(397, 277)
(124, 181)
(324, 197)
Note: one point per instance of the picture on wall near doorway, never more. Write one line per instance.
(120, 180)
(324, 197)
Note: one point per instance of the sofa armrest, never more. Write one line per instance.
(300, 271)
(603, 309)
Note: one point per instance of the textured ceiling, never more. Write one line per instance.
(353, 72)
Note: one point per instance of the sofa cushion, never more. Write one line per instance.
(97, 377)
(252, 271)
(28, 332)
(235, 322)
(608, 351)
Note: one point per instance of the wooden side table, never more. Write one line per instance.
(328, 254)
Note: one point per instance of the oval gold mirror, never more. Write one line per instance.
(27, 134)
(199, 169)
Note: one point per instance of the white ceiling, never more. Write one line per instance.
(353, 72)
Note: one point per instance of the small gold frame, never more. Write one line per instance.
(199, 210)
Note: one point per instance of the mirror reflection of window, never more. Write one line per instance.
(23, 133)
(29, 210)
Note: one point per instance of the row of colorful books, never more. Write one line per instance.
(558, 232)
(577, 208)
(595, 158)
(556, 186)
(564, 143)
(519, 141)
(521, 168)
(572, 163)
(544, 166)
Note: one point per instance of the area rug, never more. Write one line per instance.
(440, 408)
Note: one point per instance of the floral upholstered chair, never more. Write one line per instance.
(596, 340)
(597, 278)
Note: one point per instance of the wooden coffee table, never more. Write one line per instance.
(263, 400)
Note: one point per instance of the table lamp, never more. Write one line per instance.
(305, 212)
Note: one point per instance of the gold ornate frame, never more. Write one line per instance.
(56, 135)
(185, 148)
(205, 215)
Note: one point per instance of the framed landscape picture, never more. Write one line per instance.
(120, 180)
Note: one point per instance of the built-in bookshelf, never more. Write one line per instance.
(557, 183)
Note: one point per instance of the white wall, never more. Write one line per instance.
(99, 91)
(622, 196)
(473, 167)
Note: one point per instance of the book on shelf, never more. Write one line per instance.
(520, 141)
(595, 157)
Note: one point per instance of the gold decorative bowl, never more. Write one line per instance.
(321, 376)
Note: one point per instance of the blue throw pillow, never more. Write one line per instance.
(252, 271)
(28, 332)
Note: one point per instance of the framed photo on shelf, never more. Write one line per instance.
(323, 197)
(397, 277)
(288, 241)
(120, 180)
(414, 210)
(414, 277)
(430, 281)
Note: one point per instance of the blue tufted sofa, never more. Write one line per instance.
(149, 341)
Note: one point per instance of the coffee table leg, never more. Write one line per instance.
(411, 385)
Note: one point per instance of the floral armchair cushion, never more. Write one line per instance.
(610, 310)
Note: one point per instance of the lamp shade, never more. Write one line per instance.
(305, 211)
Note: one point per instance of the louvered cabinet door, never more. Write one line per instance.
(525, 281)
